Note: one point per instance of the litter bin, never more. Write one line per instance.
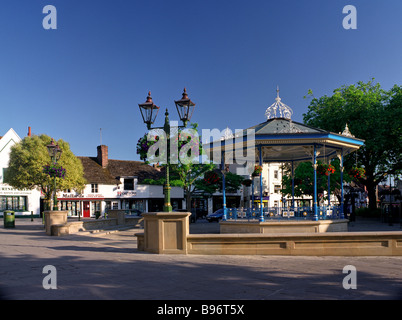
(9, 219)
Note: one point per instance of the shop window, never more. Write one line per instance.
(108, 206)
(13, 203)
(96, 207)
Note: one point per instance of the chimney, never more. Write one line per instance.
(29, 131)
(102, 155)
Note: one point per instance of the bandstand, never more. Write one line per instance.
(307, 231)
(281, 140)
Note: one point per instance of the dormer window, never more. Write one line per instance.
(128, 183)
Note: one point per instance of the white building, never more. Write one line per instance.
(22, 202)
(272, 186)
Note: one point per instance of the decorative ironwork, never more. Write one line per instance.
(346, 132)
(278, 109)
(285, 213)
(227, 134)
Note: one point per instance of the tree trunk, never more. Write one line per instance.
(371, 190)
(188, 201)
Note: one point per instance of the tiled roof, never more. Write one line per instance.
(121, 168)
(94, 173)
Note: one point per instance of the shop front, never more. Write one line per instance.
(22, 202)
(85, 206)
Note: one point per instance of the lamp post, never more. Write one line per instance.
(54, 153)
(149, 111)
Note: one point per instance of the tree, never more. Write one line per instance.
(189, 175)
(304, 180)
(27, 161)
(372, 114)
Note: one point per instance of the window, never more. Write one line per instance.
(4, 174)
(13, 203)
(94, 188)
(277, 188)
(276, 174)
(129, 184)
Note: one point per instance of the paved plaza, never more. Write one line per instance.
(109, 266)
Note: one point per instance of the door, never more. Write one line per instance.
(86, 210)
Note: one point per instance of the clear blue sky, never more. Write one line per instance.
(105, 56)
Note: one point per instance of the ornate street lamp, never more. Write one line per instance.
(55, 154)
(149, 110)
(185, 108)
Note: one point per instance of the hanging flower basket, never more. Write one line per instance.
(357, 172)
(325, 169)
(330, 169)
(257, 171)
(55, 171)
(143, 146)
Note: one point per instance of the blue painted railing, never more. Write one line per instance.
(276, 213)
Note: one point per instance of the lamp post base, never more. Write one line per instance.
(167, 207)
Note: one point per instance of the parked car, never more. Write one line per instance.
(134, 212)
(216, 216)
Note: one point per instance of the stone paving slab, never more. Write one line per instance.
(109, 266)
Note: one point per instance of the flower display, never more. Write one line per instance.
(55, 171)
(357, 172)
(185, 147)
(211, 177)
(325, 169)
(257, 170)
(143, 146)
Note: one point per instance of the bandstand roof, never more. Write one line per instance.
(284, 140)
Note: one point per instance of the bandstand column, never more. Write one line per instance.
(329, 188)
(315, 208)
(342, 216)
(224, 218)
(252, 192)
(261, 202)
(293, 187)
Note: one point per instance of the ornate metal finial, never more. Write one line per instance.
(149, 98)
(227, 134)
(346, 132)
(278, 109)
(185, 96)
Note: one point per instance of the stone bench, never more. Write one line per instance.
(167, 233)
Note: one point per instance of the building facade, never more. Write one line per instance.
(117, 184)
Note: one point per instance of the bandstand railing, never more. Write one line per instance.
(284, 213)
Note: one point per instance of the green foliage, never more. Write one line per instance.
(184, 145)
(304, 179)
(232, 183)
(192, 177)
(28, 158)
(372, 114)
